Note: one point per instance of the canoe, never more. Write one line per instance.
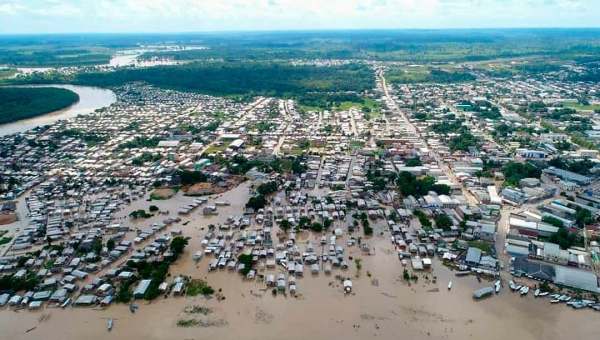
(554, 301)
(449, 285)
(110, 324)
(536, 293)
(544, 293)
(511, 284)
(66, 303)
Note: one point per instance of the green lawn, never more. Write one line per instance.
(307, 108)
(215, 148)
(481, 245)
(582, 107)
(7, 72)
(369, 103)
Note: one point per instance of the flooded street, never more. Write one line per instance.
(381, 305)
(90, 99)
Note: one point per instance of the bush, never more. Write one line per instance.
(153, 208)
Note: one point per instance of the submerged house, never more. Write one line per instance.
(141, 289)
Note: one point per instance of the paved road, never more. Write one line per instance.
(283, 136)
(242, 117)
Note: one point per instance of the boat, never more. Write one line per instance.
(462, 273)
(498, 283)
(110, 324)
(497, 287)
(483, 292)
(555, 296)
(347, 286)
(544, 293)
(133, 308)
(554, 301)
(449, 285)
(536, 293)
(66, 303)
(524, 290)
(518, 287)
(511, 284)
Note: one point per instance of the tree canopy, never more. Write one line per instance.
(515, 172)
(23, 103)
(409, 184)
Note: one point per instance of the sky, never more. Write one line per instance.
(112, 16)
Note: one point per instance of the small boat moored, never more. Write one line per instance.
(449, 285)
(511, 284)
(111, 323)
(66, 303)
(536, 293)
(554, 301)
(544, 293)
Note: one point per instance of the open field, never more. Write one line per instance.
(581, 107)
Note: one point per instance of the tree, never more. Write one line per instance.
(268, 188)
(97, 244)
(110, 244)
(514, 172)
(413, 162)
(316, 227)
(246, 260)
(303, 222)
(327, 223)
(177, 245)
(553, 221)
(442, 221)
(153, 208)
(256, 202)
(564, 238)
(367, 230)
(583, 217)
(285, 226)
(393, 215)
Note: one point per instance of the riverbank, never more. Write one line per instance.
(89, 100)
(19, 103)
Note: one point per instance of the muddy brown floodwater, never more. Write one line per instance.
(381, 306)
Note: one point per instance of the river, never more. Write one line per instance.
(90, 99)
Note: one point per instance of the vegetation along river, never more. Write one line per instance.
(90, 99)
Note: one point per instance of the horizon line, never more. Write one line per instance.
(304, 30)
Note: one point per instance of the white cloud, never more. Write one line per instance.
(200, 15)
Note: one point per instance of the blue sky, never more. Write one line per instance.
(83, 16)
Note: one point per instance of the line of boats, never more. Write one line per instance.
(555, 298)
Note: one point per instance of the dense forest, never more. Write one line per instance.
(23, 103)
(52, 58)
(312, 86)
(432, 75)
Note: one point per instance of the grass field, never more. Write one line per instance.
(582, 107)
(217, 148)
(307, 108)
(369, 103)
(7, 72)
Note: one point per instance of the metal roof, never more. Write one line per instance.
(576, 278)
